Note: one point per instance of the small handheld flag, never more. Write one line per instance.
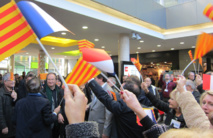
(85, 44)
(190, 55)
(11, 76)
(208, 11)
(207, 82)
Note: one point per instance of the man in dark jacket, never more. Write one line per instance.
(125, 118)
(7, 103)
(33, 116)
(54, 95)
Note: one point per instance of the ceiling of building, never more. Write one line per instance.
(108, 35)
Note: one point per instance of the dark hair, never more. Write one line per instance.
(30, 74)
(132, 87)
(135, 79)
(102, 77)
(60, 81)
(33, 85)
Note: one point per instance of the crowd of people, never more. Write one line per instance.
(31, 108)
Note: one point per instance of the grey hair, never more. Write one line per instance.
(191, 72)
(113, 79)
(190, 83)
(33, 85)
(6, 77)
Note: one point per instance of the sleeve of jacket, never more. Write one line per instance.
(107, 123)
(193, 114)
(158, 103)
(82, 130)
(2, 118)
(116, 107)
(200, 88)
(48, 116)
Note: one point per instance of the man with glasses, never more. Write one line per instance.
(7, 103)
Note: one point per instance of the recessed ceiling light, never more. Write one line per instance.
(137, 52)
(110, 54)
(158, 45)
(63, 33)
(139, 47)
(27, 53)
(96, 39)
(53, 48)
(65, 56)
(141, 41)
(151, 62)
(153, 50)
(172, 48)
(102, 46)
(193, 46)
(165, 62)
(84, 27)
(181, 43)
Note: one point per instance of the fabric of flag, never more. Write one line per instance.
(43, 76)
(11, 76)
(150, 113)
(82, 72)
(190, 55)
(98, 58)
(85, 44)
(15, 32)
(207, 82)
(201, 61)
(136, 63)
(204, 45)
(41, 22)
(208, 11)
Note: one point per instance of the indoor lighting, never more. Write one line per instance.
(65, 56)
(27, 53)
(158, 45)
(63, 33)
(53, 48)
(103, 47)
(141, 41)
(96, 39)
(172, 48)
(139, 47)
(138, 37)
(137, 52)
(110, 54)
(193, 46)
(153, 50)
(85, 27)
(181, 43)
(165, 62)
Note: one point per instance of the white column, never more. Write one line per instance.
(41, 62)
(123, 51)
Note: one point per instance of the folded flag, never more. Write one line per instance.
(190, 55)
(85, 44)
(208, 11)
(136, 63)
(41, 22)
(82, 72)
(15, 32)
(43, 76)
(204, 45)
(98, 58)
(207, 82)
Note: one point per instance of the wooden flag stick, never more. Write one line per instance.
(110, 81)
(119, 81)
(187, 66)
(45, 51)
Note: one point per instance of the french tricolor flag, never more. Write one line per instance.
(207, 82)
(41, 22)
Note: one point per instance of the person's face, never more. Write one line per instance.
(172, 103)
(191, 76)
(9, 83)
(110, 84)
(124, 78)
(58, 83)
(167, 77)
(16, 76)
(207, 104)
(23, 73)
(51, 80)
(148, 81)
(188, 88)
(171, 77)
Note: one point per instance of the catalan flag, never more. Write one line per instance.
(201, 61)
(85, 44)
(204, 45)
(190, 55)
(11, 76)
(82, 72)
(15, 32)
(136, 63)
(208, 11)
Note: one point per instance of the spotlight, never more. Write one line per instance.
(134, 36)
(138, 37)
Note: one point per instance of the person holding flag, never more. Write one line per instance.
(7, 103)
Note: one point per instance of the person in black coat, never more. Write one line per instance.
(172, 109)
(33, 116)
(125, 118)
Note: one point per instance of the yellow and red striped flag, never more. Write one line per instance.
(136, 63)
(190, 55)
(208, 11)
(85, 44)
(15, 32)
(201, 61)
(204, 45)
(11, 76)
(82, 72)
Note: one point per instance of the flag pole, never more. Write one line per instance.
(198, 68)
(110, 81)
(118, 81)
(187, 66)
(45, 51)
(194, 67)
